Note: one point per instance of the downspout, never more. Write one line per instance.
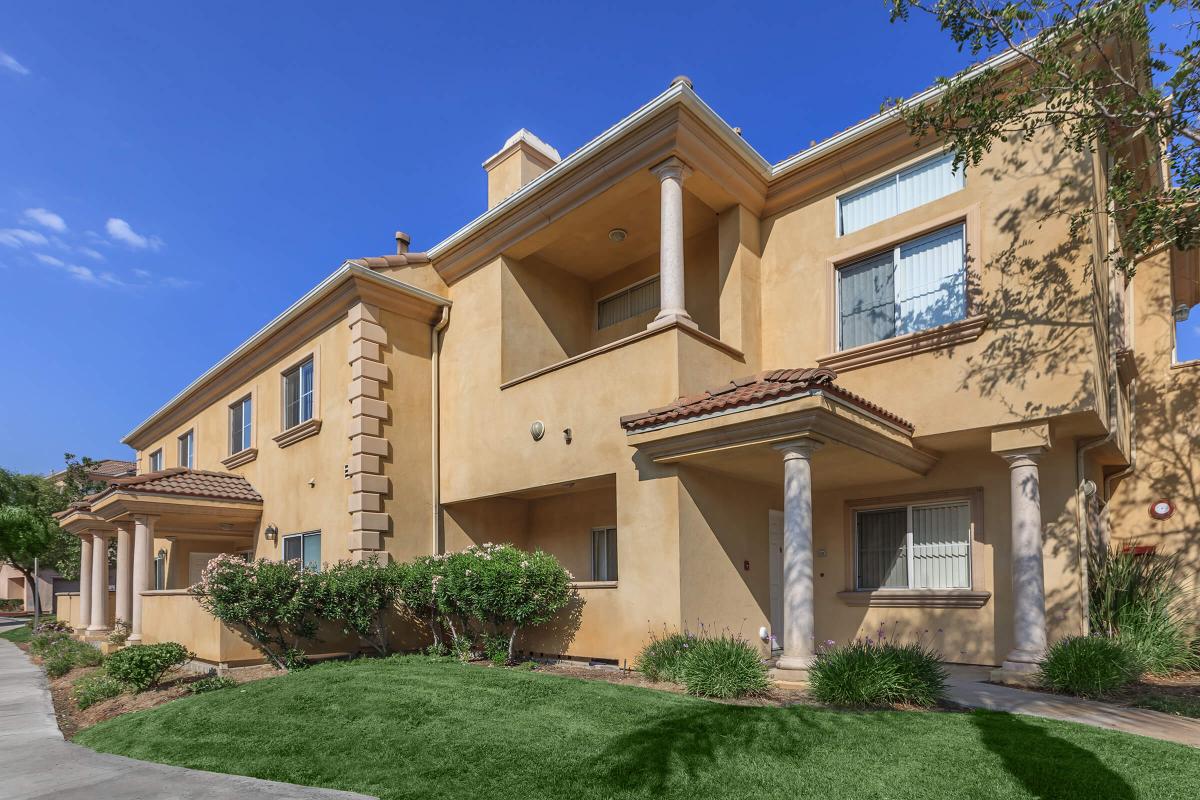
(435, 349)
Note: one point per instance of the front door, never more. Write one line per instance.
(775, 539)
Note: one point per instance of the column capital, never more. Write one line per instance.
(672, 168)
(1023, 458)
(798, 448)
(145, 519)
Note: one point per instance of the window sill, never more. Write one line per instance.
(298, 433)
(916, 598)
(910, 344)
(240, 457)
(594, 584)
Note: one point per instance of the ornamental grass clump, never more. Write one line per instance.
(662, 657)
(60, 653)
(1088, 666)
(724, 666)
(877, 673)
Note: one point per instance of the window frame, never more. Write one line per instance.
(296, 367)
(156, 455)
(190, 437)
(160, 571)
(636, 284)
(248, 426)
(895, 247)
(977, 572)
(891, 177)
(302, 535)
(607, 530)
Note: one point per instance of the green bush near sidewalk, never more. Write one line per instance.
(1088, 666)
(91, 689)
(877, 673)
(724, 666)
(142, 666)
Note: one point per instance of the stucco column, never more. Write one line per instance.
(99, 615)
(124, 571)
(143, 541)
(85, 582)
(671, 175)
(799, 615)
(1029, 588)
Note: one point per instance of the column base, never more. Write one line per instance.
(1026, 661)
(666, 318)
(133, 639)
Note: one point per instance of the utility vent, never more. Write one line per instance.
(627, 303)
(347, 471)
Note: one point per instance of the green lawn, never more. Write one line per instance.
(18, 634)
(415, 728)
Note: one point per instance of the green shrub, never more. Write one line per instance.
(212, 683)
(1088, 666)
(91, 689)
(1137, 598)
(142, 666)
(662, 657)
(357, 595)
(120, 633)
(495, 649)
(275, 603)
(7, 604)
(723, 666)
(60, 653)
(872, 674)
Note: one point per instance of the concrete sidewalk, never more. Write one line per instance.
(968, 687)
(36, 762)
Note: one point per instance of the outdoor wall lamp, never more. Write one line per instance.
(272, 532)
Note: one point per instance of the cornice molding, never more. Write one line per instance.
(916, 598)
(241, 457)
(941, 337)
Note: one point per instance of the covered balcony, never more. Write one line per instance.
(167, 526)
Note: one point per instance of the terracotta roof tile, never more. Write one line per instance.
(190, 483)
(776, 384)
(113, 468)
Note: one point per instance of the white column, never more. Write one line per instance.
(799, 615)
(143, 542)
(671, 175)
(99, 615)
(124, 571)
(1029, 588)
(85, 582)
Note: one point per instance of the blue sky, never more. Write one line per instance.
(172, 176)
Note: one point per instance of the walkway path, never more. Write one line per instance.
(968, 687)
(36, 762)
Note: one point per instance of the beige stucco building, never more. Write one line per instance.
(800, 401)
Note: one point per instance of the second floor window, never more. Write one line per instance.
(154, 463)
(240, 414)
(604, 554)
(915, 186)
(917, 285)
(187, 450)
(298, 395)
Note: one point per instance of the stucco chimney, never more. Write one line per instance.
(403, 240)
(523, 158)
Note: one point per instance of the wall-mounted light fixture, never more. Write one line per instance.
(567, 435)
(1181, 312)
(272, 532)
(537, 430)
(162, 553)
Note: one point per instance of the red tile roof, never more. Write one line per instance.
(779, 384)
(113, 468)
(190, 483)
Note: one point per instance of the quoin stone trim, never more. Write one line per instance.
(368, 447)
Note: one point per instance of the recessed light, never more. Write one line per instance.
(618, 234)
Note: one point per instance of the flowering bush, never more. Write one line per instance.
(358, 595)
(53, 626)
(485, 592)
(662, 657)
(275, 603)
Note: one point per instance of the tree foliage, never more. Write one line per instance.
(1102, 76)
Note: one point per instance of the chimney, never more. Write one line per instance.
(403, 240)
(523, 158)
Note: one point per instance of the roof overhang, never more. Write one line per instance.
(328, 302)
(177, 513)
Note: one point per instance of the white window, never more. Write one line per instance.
(187, 450)
(917, 285)
(156, 461)
(641, 298)
(298, 395)
(604, 554)
(920, 546)
(305, 547)
(915, 186)
(240, 415)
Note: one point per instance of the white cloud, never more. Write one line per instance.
(142, 273)
(90, 253)
(11, 63)
(50, 260)
(121, 231)
(46, 218)
(18, 237)
(177, 283)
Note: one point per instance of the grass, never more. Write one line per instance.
(18, 635)
(421, 729)
(1180, 706)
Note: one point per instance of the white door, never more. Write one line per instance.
(196, 563)
(775, 538)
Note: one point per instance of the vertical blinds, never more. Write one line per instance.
(627, 304)
(604, 554)
(899, 192)
(914, 547)
(919, 285)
